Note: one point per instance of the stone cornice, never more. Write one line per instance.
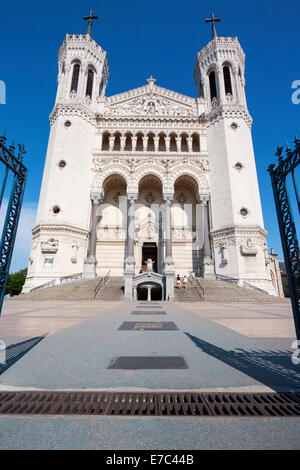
(228, 112)
(219, 43)
(81, 110)
(140, 122)
(238, 230)
(72, 109)
(125, 155)
(41, 228)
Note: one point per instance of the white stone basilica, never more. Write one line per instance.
(150, 173)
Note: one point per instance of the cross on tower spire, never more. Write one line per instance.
(90, 18)
(213, 20)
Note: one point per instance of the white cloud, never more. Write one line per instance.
(24, 236)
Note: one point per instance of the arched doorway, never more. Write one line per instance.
(111, 229)
(149, 223)
(186, 225)
(149, 291)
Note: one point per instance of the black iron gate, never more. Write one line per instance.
(13, 163)
(286, 221)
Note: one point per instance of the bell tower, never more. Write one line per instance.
(82, 69)
(61, 235)
(237, 233)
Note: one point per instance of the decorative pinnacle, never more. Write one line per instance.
(3, 137)
(278, 153)
(21, 151)
(151, 81)
(213, 20)
(90, 18)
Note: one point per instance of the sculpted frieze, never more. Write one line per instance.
(150, 105)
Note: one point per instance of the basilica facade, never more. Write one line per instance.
(150, 174)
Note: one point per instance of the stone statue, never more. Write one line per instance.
(149, 265)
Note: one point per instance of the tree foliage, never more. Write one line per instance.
(15, 282)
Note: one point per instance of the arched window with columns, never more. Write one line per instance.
(105, 141)
(195, 143)
(162, 143)
(128, 142)
(75, 77)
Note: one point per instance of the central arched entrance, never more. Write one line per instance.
(149, 224)
(149, 291)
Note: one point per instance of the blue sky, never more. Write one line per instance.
(143, 38)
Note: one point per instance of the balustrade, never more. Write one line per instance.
(152, 142)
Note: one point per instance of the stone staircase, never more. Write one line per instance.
(113, 289)
(82, 289)
(189, 294)
(221, 291)
(214, 291)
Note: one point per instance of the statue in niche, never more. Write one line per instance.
(74, 249)
(149, 265)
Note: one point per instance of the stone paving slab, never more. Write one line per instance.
(217, 357)
(148, 433)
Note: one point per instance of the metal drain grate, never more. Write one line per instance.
(151, 404)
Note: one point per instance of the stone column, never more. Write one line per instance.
(220, 85)
(130, 260)
(208, 265)
(133, 143)
(167, 141)
(189, 141)
(203, 142)
(149, 288)
(156, 143)
(178, 143)
(111, 142)
(100, 139)
(169, 261)
(145, 143)
(89, 268)
(122, 142)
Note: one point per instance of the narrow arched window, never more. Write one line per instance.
(212, 85)
(101, 87)
(89, 83)
(227, 80)
(75, 78)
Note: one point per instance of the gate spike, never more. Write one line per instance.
(3, 137)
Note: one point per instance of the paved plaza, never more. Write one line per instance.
(66, 345)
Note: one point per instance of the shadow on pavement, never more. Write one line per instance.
(14, 352)
(272, 368)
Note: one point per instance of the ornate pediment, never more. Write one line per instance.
(150, 101)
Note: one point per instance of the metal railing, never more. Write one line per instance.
(45, 285)
(238, 282)
(101, 284)
(196, 284)
(60, 280)
(71, 277)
